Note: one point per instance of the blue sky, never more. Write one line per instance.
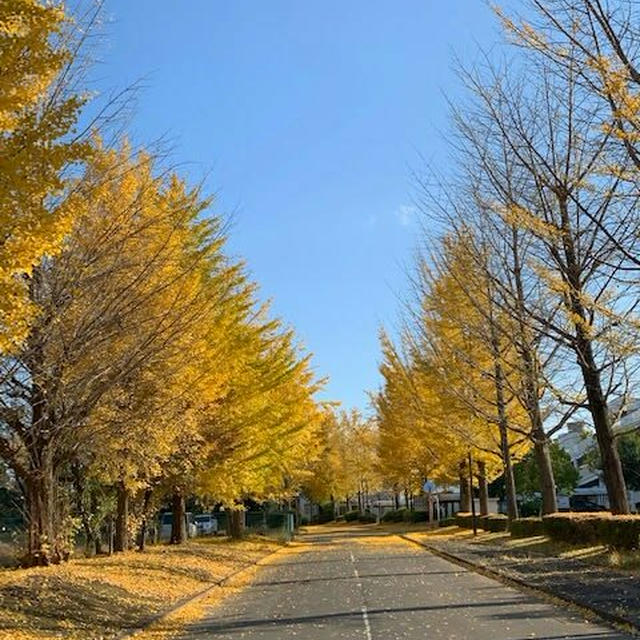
(307, 117)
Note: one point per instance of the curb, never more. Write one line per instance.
(132, 633)
(619, 622)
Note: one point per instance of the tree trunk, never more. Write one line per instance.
(532, 390)
(396, 500)
(539, 437)
(509, 479)
(178, 528)
(121, 542)
(81, 509)
(503, 426)
(483, 488)
(41, 539)
(110, 535)
(235, 520)
(611, 466)
(465, 493)
(547, 479)
(142, 542)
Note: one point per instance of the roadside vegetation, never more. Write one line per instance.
(104, 597)
(138, 367)
(540, 545)
(522, 314)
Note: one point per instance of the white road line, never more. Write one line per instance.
(367, 626)
(363, 608)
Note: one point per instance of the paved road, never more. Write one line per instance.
(349, 586)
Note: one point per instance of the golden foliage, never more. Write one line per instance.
(37, 205)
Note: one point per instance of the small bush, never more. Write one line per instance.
(497, 522)
(418, 516)
(525, 527)
(447, 522)
(530, 507)
(397, 515)
(617, 532)
(463, 519)
(367, 518)
(351, 516)
(326, 513)
(404, 515)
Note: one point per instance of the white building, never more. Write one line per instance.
(578, 439)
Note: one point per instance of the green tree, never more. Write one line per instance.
(528, 475)
(629, 450)
(628, 445)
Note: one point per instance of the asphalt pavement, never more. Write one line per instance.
(348, 584)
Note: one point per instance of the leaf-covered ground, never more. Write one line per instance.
(592, 576)
(100, 598)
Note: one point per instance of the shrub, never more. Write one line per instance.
(525, 527)
(497, 522)
(351, 516)
(404, 515)
(618, 532)
(326, 513)
(418, 516)
(530, 507)
(396, 515)
(493, 522)
(574, 528)
(447, 522)
(367, 517)
(463, 519)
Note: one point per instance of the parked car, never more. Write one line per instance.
(580, 503)
(166, 522)
(206, 524)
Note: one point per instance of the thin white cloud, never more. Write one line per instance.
(405, 214)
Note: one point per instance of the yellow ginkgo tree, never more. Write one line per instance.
(37, 148)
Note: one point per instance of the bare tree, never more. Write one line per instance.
(548, 136)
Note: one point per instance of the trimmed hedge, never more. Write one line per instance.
(404, 515)
(448, 522)
(494, 522)
(526, 527)
(397, 515)
(366, 517)
(618, 532)
(497, 522)
(464, 520)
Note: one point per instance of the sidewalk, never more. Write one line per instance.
(613, 595)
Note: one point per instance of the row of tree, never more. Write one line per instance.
(347, 467)
(524, 307)
(135, 360)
